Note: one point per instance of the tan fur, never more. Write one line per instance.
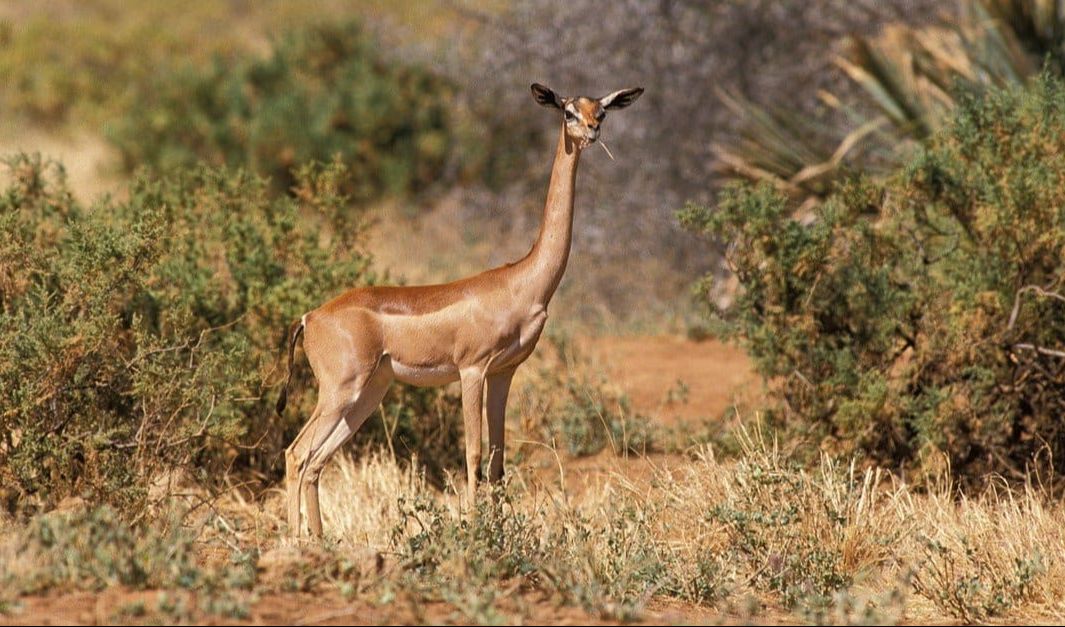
(589, 110)
(476, 330)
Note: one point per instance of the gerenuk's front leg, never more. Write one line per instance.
(472, 399)
(498, 390)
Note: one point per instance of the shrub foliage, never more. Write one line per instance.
(323, 91)
(923, 314)
(143, 335)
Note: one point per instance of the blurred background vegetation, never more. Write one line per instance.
(427, 103)
(228, 164)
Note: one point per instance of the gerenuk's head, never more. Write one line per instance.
(583, 115)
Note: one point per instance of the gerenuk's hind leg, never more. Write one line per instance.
(295, 455)
(350, 418)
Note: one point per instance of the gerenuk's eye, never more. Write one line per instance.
(570, 115)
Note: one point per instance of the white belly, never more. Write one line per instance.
(425, 375)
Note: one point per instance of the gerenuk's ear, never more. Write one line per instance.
(621, 98)
(545, 96)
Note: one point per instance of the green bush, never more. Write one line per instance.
(323, 91)
(590, 420)
(923, 314)
(143, 335)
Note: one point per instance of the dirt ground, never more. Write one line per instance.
(671, 378)
(646, 368)
(330, 608)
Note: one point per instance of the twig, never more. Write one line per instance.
(607, 150)
(1041, 350)
(1017, 301)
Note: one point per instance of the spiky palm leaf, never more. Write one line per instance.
(774, 145)
(911, 77)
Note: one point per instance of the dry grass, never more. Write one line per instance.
(748, 538)
(607, 537)
(731, 538)
(360, 498)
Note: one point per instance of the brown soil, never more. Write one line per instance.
(118, 606)
(716, 376)
(671, 378)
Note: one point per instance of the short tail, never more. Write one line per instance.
(294, 333)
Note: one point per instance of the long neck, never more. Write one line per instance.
(548, 257)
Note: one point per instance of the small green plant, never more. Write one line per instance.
(787, 560)
(95, 549)
(464, 562)
(618, 573)
(962, 580)
(495, 543)
(590, 421)
(7, 606)
(175, 606)
(846, 608)
(582, 423)
(791, 531)
(611, 571)
(585, 416)
(129, 611)
(678, 393)
(225, 603)
(708, 584)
